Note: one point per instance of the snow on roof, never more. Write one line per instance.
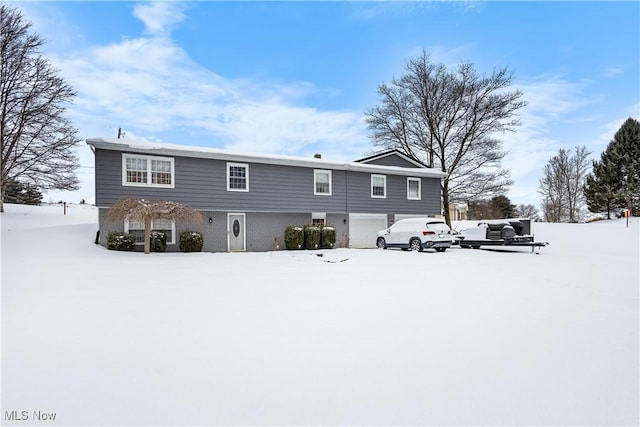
(276, 159)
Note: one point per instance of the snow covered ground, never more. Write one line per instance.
(466, 337)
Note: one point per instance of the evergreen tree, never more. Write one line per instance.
(626, 150)
(503, 204)
(615, 179)
(602, 186)
(21, 193)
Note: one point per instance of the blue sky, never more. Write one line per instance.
(296, 78)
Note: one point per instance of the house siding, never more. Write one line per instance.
(202, 184)
(262, 229)
(360, 200)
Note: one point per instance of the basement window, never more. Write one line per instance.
(135, 227)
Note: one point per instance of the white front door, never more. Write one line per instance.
(236, 232)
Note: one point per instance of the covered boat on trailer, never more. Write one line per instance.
(499, 232)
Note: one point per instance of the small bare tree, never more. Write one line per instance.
(147, 211)
(562, 183)
(527, 211)
(551, 187)
(37, 141)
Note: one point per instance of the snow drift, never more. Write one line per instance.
(353, 337)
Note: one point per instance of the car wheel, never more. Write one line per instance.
(441, 249)
(415, 245)
(465, 246)
(475, 247)
(381, 244)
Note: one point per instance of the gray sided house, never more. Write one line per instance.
(248, 200)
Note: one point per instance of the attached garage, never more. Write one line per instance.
(363, 229)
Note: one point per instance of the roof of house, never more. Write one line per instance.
(163, 149)
(391, 152)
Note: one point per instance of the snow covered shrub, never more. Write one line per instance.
(294, 237)
(118, 241)
(191, 241)
(327, 237)
(158, 241)
(311, 237)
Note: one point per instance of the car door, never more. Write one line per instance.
(396, 234)
(388, 235)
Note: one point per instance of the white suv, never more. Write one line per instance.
(416, 234)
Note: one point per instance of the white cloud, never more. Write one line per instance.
(150, 85)
(550, 96)
(613, 71)
(161, 17)
(366, 11)
(274, 127)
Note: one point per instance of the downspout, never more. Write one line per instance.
(346, 191)
(346, 203)
(95, 188)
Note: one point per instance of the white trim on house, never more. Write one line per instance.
(219, 154)
(246, 176)
(315, 182)
(375, 185)
(147, 172)
(409, 196)
(318, 218)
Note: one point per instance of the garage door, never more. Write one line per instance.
(363, 229)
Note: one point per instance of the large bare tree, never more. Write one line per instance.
(37, 141)
(148, 210)
(449, 120)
